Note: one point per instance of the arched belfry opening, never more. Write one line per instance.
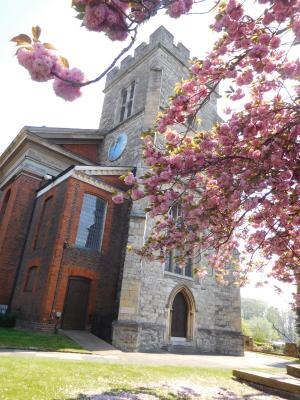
(181, 307)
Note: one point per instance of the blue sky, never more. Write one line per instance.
(24, 102)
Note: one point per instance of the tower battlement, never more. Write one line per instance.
(160, 37)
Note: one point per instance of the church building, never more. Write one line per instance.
(63, 242)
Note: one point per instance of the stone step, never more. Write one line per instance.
(293, 370)
(284, 383)
(183, 344)
(186, 348)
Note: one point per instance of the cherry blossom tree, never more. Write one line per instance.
(239, 181)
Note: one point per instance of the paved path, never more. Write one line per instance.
(90, 342)
(250, 360)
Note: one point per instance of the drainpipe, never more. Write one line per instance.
(58, 280)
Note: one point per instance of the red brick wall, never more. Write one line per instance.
(34, 305)
(58, 258)
(89, 151)
(13, 229)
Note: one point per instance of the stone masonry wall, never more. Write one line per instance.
(144, 314)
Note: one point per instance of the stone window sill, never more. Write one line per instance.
(172, 274)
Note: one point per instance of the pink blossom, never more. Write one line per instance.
(275, 42)
(296, 27)
(256, 154)
(68, 91)
(201, 273)
(137, 194)
(94, 17)
(118, 198)
(130, 179)
(179, 7)
(172, 137)
(39, 61)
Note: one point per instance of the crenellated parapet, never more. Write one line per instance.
(160, 38)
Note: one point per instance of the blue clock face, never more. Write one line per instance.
(117, 147)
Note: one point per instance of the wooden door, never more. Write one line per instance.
(76, 303)
(179, 316)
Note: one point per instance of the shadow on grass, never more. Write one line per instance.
(184, 393)
(140, 393)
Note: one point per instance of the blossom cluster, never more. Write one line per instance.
(43, 64)
(104, 16)
(116, 18)
(239, 182)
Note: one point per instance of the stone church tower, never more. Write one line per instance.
(151, 293)
(63, 258)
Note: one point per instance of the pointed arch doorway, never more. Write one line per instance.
(181, 306)
(179, 316)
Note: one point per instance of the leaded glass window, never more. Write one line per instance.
(172, 265)
(91, 222)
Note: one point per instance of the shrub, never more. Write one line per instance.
(7, 320)
(264, 347)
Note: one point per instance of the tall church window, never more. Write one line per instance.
(4, 205)
(91, 222)
(127, 101)
(30, 279)
(171, 262)
(172, 265)
(41, 231)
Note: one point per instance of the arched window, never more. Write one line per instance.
(91, 222)
(41, 231)
(172, 265)
(30, 279)
(171, 262)
(4, 205)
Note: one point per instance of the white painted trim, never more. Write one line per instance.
(80, 174)
(100, 170)
(55, 183)
(87, 179)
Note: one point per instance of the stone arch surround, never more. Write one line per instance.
(191, 304)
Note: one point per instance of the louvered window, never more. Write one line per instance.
(127, 101)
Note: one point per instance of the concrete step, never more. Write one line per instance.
(293, 370)
(283, 383)
(89, 341)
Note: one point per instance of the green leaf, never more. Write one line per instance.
(80, 16)
(78, 7)
(149, 132)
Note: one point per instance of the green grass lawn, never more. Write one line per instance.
(29, 378)
(15, 338)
